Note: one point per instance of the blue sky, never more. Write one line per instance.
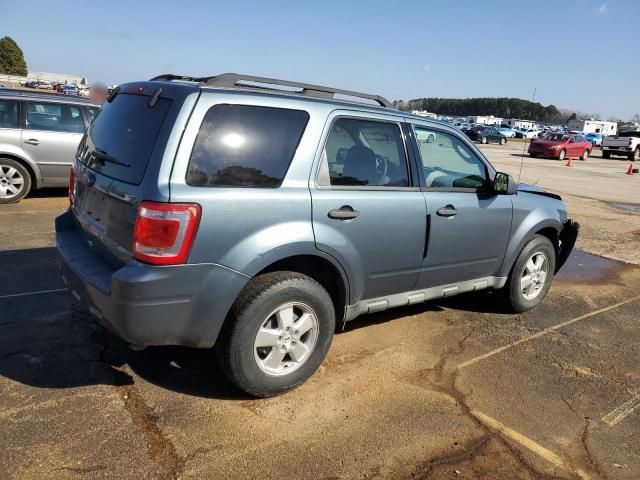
(579, 54)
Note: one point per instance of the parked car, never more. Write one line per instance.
(560, 146)
(626, 143)
(69, 90)
(594, 138)
(526, 133)
(38, 147)
(210, 213)
(484, 134)
(507, 132)
(43, 85)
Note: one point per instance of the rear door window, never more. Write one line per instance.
(122, 136)
(245, 146)
(54, 117)
(9, 114)
(364, 153)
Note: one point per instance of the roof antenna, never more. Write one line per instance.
(524, 144)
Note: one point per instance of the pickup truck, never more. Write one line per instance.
(626, 143)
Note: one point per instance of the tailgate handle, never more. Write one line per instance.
(448, 211)
(346, 212)
(32, 141)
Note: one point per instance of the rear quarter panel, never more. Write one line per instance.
(247, 229)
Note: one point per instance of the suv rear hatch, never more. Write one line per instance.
(119, 161)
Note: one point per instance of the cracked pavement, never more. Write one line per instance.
(390, 401)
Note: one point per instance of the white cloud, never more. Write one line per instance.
(603, 8)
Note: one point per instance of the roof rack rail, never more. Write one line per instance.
(263, 83)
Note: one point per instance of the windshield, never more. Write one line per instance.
(556, 137)
(121, 138)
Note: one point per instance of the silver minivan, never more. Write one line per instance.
(39, 136)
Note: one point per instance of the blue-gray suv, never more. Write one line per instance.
(257, 215)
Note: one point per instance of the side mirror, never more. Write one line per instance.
(504, 184)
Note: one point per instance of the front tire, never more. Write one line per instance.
(585, 154)
(15, 181)
(635, 155)
(503, 141)
(279, 332)
(483, 140)
(531, 275)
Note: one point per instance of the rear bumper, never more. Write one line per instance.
(143, 304)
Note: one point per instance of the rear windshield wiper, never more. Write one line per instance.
(105, 157)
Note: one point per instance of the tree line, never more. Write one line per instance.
(499, 107)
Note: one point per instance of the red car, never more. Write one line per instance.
(561, 146)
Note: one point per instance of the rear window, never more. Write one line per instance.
(245, 146)
(122, 135)
(629, 133)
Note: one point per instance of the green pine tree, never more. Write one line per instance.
(11, 58)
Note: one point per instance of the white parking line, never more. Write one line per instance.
(544, 332)
(623, 411)
(526, 442)
(39, 292)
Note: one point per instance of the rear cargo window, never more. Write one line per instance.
(121, 138)
(245, 146)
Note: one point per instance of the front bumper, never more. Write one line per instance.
(567, 241)
(144, 304)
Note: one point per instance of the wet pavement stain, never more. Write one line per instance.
(587, 268)
(631, 207)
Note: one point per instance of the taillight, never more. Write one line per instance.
(72, 185)
(164, 232)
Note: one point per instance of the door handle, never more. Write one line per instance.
(32, 141)
(448, 211)
(345, 212)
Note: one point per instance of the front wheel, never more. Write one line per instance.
(279, 333)
(483, 140)
(635, 155)
(585, 155)
(531, 275)
(503, 141)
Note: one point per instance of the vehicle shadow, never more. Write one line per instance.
(49, 192)
(48, 341)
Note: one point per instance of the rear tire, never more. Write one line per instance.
(15, 181)
(606, 154)
(529, 281)
(264, 349)
(562, 155)
(635, 155)
(533, 155)
(585, 155)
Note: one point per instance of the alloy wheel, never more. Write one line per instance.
(534, 276)
(11, 182)
(286, 339)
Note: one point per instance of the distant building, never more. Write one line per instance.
(519, 123)
(593, 126)
(424, 113)
(485, 120)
